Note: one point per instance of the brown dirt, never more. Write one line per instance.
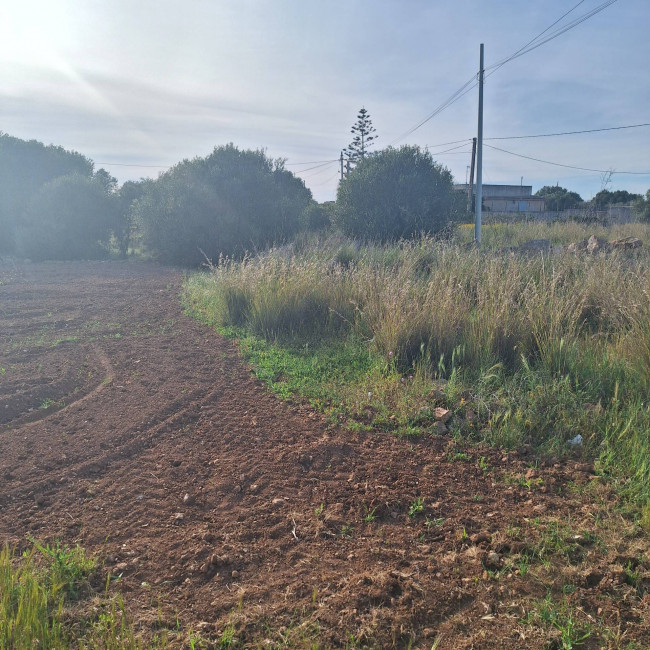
(114, 405)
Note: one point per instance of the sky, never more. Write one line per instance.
(138, 85)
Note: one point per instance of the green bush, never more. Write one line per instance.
(70, 218)
(25, 166)
(227, 203)
(396, 193)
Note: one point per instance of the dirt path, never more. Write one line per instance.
(129, 428)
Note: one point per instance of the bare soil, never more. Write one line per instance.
(129, 428)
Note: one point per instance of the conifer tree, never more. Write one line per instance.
(362, 131)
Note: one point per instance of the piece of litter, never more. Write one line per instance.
(576, 441)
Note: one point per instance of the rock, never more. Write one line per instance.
(277, 501)
(492, 560)
(626, 243)
(254, 488)
(533, 246)
(596, 245)
(578, 247)
(235, 574)
(530, 473)
(179, 517)
(440, 428)
(441, 414)
(437, 395)
(188, 499)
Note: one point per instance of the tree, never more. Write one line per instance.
(69, 218)
(642, 207)
(363, 139)
(559, 198)
(395, 193)
(226, 203)
(605, 198)
(25, 166)
(123, 229)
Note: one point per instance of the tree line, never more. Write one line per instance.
(55, 205)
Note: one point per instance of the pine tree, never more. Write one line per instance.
(363, 138)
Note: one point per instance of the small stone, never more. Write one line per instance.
(235, 573)
(492, 560)
(440, 428)
(188, 499)
(179, 516)
(277, 501)
(441, 414)
(254, 488)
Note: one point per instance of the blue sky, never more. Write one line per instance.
(150, 83)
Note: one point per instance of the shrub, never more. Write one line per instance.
(227, 203)
(69, 218)
(396, 193)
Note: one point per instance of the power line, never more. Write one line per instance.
(313, 162)
(327, 180)
(444, 144)
(463, 90)
(550, 135)
(520, 50)
(533, 45)
(528, 47)
(438, 153)
(548, 162)
(323, 164)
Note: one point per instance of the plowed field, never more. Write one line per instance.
(127, 427)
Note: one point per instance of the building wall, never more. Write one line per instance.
(518, 204)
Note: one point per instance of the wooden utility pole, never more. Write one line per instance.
(470, 190)
(479, 155)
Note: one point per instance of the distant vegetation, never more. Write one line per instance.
(233, 202)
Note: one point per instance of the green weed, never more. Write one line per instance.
(416, 507)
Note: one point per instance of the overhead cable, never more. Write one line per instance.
(548, 162)
(535, 43)
(549, 135)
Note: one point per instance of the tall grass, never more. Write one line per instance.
(40, 590)
(543, 346)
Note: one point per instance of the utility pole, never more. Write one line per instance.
(471, 177)
(341, 166)
(479, 155)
